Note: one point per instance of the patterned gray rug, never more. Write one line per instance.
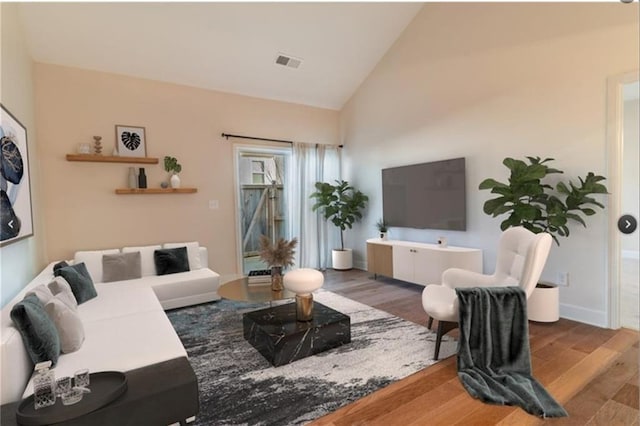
(239, 387)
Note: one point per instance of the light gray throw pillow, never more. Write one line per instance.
(121, 266)
(67, 323)
(42, 292)
(61, 288)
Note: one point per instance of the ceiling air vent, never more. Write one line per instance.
(288, 61)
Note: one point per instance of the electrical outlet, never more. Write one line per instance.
(563, 279)
(214, 204)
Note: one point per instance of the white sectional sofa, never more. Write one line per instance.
(125, 325)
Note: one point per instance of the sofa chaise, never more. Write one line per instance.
(125, 329)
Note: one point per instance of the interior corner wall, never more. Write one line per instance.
(22, 260)
(487, 81)
(82, 211)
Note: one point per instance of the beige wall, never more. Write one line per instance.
(491, 80)
(21, 260)
(630, 172)
(81, 210)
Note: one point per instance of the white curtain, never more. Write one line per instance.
(316, 236)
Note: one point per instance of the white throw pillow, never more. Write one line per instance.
(42, 292)
(146, 258)
(68, 324)
(62, 290)
(93, 262)
(193, 253)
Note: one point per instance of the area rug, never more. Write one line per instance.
(239, 387)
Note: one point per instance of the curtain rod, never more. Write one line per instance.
(227, 136)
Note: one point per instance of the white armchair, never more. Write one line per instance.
(521, 258)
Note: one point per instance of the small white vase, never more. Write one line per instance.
(175, 181)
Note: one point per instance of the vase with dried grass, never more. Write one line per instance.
(277, 255)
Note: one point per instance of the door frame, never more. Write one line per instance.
(280, 149)
(615, 117)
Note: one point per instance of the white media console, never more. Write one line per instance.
(418, 263)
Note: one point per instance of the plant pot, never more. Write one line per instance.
(544, 303)
(342, 260)
(175, 181)
(383, 236)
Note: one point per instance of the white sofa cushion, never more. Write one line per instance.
(193, 253)
(93, 262)
(62, 290)
(172, 287)
(149, 339)
(117, 300)
(146, 258)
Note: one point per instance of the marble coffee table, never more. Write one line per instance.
(276, 334)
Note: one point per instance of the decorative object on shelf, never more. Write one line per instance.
(342, 205)
(84, 148)
(16, 220)
(303, 282)
(133, 179)
(142, 179)
(97, 145)
(278, 255)
(172, 166)
(442, 241)
(130, 141)
(164, 185)
(153, 191)
(383, 228)
(114, 152)
(538, 206)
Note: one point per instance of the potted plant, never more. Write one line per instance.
(539, 207)
(277, 255)
(383, 228)
(172, 166)
(342, 205)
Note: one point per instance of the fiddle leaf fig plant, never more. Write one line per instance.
(538, 206)
(339, 203)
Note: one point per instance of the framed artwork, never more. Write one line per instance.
(131, 141)
(16, 218)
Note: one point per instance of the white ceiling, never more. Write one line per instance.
(229, 47)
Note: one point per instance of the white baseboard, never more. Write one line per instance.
(630, 254)
(587, 316)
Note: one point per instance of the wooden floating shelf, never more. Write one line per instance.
(111, 159)
(157, 191)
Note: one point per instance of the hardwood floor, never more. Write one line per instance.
(591, 371)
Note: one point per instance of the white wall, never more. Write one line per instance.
(486, 81)
(630, 173)
(23, 259)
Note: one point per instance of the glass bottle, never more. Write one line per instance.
(44, 386)
(142, 179)
(133, 179)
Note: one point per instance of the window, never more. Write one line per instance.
(257, 171)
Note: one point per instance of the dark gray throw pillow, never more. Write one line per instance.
(38, 332)
(121, 266)
(79, 280)
(59, 265)
(171, 261)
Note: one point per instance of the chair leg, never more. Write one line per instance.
(443, 328)
(430, 323)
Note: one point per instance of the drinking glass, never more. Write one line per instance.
(63, 384)
(81, 378)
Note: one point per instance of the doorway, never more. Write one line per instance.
(261, 209)
(623, 140)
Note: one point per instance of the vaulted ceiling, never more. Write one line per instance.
(231, 47)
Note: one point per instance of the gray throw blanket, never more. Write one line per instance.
(494, 360)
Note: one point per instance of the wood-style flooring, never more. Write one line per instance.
(591, 371)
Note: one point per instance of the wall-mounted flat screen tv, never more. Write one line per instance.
(426, 196)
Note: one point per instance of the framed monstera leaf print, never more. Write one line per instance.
(16, 220)
(131, 141)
